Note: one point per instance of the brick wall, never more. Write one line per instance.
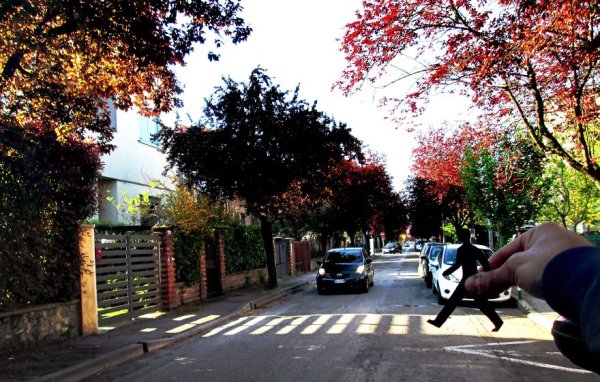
(174, 294)
(187, 293)
(238, 280)
(167, 262)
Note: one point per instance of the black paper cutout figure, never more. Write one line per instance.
(466, 257)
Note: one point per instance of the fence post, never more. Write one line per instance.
(89, 296)
(167, 270)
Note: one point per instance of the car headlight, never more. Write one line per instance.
(360, 269)
(321, 272)
(452, 278)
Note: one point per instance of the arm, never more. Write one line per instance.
(571, 286)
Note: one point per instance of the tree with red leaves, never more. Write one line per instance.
(439, 157)
(361, 200)
(531, 62)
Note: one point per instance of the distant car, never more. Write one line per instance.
(444, 286)
(429, 252)
(345, 268)
(391, 248)
(407, 244)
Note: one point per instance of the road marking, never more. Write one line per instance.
(476, 350)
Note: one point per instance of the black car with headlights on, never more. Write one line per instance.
(345, 268)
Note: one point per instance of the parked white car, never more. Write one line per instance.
(444, 286)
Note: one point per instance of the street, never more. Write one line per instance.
(381, 335)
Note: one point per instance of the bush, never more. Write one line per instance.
(47, 187)
(244, 249)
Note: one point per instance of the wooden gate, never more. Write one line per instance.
(302, 256)
(127, 276)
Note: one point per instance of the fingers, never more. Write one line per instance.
(494, 281)
(504, 253)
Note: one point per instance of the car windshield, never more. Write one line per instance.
(450, 255)
(435, 252)
(390, 245)
(345, 256)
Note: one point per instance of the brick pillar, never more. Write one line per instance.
(291, 257)
(167, 270)
(220, 245)
(203, 285)
(89, 297)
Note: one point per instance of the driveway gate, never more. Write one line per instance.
(127, 276)
(281, 256)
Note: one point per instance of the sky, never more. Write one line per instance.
(297, 42)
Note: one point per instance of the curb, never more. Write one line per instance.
(533, 315)
(114, 358)
(259, 303)
(95, 365)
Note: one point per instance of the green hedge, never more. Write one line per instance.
(187, 247)
(46, 188)
(244, 249)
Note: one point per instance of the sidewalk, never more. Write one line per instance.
(82, 357)
(536, 309)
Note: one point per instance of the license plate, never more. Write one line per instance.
(339, 281)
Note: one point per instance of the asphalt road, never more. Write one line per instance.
(381, 335)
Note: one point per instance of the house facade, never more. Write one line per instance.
(135, 167)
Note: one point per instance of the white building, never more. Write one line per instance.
(131, 167)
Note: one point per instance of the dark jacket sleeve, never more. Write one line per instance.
(571, 286)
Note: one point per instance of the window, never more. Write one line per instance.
(148, 128)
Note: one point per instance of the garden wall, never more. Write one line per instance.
(39, 324)
(238, 280)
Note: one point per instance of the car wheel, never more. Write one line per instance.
(428, 281)
(434, 289)
(320, 291)
(366, 286)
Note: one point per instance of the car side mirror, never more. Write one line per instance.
(368, 261)
(319, 263)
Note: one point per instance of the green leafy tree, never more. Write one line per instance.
(255, 143)
(504, 183)
(573, 197)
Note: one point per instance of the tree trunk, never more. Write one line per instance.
(352, 235)
(266, 232)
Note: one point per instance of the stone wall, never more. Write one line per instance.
(40, 324)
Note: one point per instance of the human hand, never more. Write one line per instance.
(522, 261)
